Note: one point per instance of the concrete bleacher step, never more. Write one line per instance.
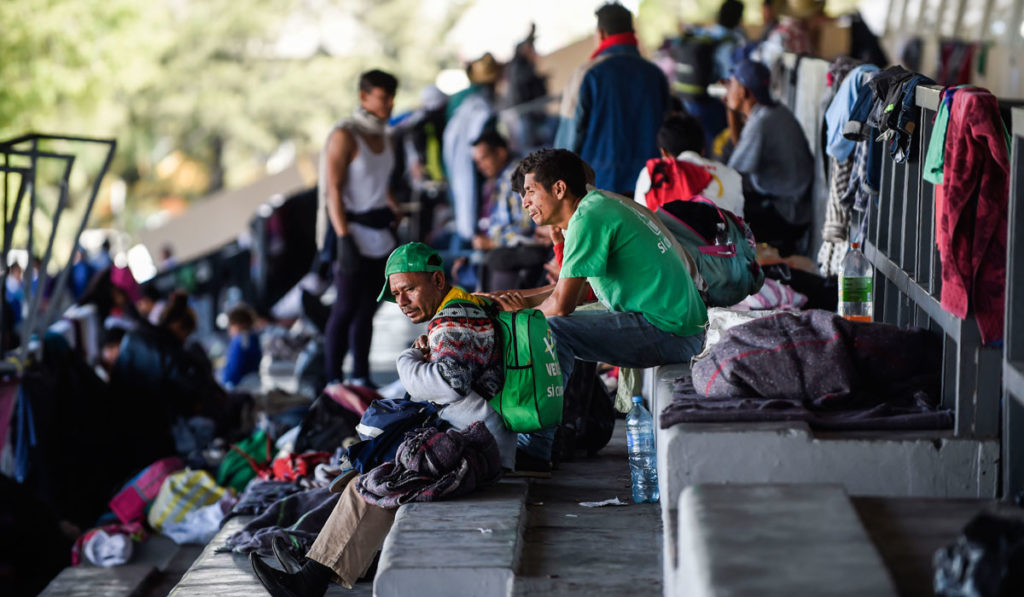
(772, 540)
(470, 546)
(889, 463)
(879, 463)
(151, 561)
(127, 580)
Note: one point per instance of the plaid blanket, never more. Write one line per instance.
(433, 465)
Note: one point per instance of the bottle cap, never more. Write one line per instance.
(638, 399)
(854, 245)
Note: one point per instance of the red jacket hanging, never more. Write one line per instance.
(972, 216)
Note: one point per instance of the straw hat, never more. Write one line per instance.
(484, 70)
(800, 9)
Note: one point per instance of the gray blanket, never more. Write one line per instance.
(819, 357)
(688, 406)
(817, 367)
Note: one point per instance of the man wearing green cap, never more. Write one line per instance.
(457, 366)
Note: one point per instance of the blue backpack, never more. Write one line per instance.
(383, 427)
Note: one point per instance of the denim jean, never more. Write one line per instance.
(620, 339)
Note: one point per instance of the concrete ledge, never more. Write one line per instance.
(125, 580)
(149, 561)
(468, 546)
(774, 540)
(891, 464)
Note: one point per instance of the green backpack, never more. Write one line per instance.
(531, 398)
(243, 461)
(730, 269)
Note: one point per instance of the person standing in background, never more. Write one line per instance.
(355, 199)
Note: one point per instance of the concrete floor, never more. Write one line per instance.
(573, 550)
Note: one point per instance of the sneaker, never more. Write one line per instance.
(530, 466)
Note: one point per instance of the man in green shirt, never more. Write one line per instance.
(654, 316)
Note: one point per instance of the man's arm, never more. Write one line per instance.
(560, 298)
(422, 378)
(735, 125)
(564, 298)
(394, 207)
(341, 151)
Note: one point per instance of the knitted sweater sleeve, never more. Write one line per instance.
(423, 379)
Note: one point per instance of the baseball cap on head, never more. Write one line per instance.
(408, 258)
(756, 78)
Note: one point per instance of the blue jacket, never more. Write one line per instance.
(243, 357)
(611, 113)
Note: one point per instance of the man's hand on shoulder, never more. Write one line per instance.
(512, 301)
(508, 300)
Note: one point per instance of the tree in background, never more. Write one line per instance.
(199, 94)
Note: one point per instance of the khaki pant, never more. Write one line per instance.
(352, 535)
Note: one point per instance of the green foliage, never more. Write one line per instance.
(204, 79)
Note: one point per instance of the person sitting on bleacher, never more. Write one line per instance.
(457, 365)
(772, 155)
(513, 256)
(654, 314)
(682, 171)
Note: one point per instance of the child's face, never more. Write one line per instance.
(234, 329)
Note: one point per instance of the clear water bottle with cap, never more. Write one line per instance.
(856, 293)
(643, 462)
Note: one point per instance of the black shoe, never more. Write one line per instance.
(285, 556)
(277, 583)
(530, 466)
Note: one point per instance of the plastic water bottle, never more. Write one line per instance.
(643, 462)
(856, 293)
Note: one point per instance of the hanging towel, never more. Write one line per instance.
(973, 214)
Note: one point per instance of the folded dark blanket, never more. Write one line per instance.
(432, 465)
(688, 406)
(260, 495)
(824, 361)
(297, 517)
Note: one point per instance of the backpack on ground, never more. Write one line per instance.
(245, 460)
(326, 426)
(589, 416)
(729, 269)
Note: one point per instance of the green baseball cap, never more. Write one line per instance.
(408, 258)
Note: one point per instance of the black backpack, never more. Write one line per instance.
(694, 55)
(588, 415)
(326, 426)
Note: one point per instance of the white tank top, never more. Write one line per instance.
(366, 189)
